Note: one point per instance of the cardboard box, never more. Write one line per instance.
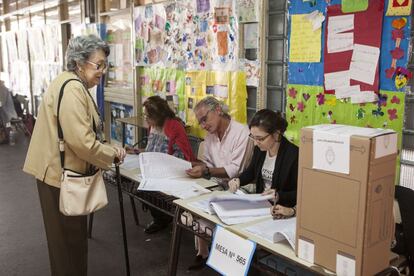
(345, 220)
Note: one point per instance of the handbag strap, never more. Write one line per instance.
(59, 128)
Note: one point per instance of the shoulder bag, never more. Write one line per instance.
(80, 194)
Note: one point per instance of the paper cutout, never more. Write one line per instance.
(222, 43)
(342, 112)
(363, 34)
(399, 7)
(402, 75)
(221, 15)
(397, 53)
(364, 63)
(340, 42)
(203, 6)
(305, 44)
(316, 17)
(247, 10)
(251, 36)
(354, 5)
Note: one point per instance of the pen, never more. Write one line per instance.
(274, 205)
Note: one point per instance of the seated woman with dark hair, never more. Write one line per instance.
(274, 165)
(167, 135)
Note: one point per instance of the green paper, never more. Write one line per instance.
(354, 5)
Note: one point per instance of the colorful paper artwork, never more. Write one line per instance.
(397, 53)
(203, 6)
(194, 35)
(163, 82)
(221, 15)
(308, 105)
(228, 87)
(252, 69)
(399, 7)
(305, 44)
(222, 42)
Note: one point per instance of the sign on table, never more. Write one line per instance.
(230, 254)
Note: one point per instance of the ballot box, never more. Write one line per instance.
(345, 198)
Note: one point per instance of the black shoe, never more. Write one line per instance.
(154, 227)
(198, 263)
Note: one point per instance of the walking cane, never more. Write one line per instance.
(121, 207)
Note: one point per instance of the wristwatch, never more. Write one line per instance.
(206, 173)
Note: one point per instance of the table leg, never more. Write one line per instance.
(123, 134)
(134, 210)
(175, 244)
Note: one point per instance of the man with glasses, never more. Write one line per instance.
(226, 153)
(225, 145)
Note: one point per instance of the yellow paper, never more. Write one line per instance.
(305, 44)
(196, 89)
(399, 7)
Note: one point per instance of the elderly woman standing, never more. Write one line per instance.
(79, 119)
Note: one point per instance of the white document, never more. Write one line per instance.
(230, 254)
(179, 189)
(385, 145)
(340, 42)
(235, 208)
(331, 150)
(337, 79)
(345, 266)
(162, 165)
(306, 251)
(347, 91)
(316, 17)
(130, 162)
(340, 23)
(276, 230)
(234, 212)
(364, 63)
(364, 97)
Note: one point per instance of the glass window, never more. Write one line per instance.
(274, 99)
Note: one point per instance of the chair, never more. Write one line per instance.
(405, 199)
(195, 144)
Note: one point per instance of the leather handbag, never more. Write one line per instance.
(80, 194)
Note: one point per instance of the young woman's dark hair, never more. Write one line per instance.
(158, 110)
(269, 121)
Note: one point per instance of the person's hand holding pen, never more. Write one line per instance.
(234, 184)
(280, 211)
(275, 199)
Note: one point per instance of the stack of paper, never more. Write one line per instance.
(234, 209)
(162, 165)
(276, 230)
(177, 188)
(130, 162)
(160, 172)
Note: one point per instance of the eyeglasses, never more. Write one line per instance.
(203, 119)
(258, 139)
(98, 67)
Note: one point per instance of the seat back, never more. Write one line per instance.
(195, 144)
(200, 151)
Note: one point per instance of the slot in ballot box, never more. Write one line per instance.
(345, 198)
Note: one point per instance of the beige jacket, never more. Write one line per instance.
(76, 119)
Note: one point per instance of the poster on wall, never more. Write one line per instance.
(119, 110)
(168, 83)
(228, 87)
(352, 51)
